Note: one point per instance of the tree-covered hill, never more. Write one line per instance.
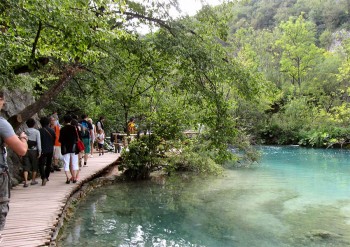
(267, 14)
(302, 48)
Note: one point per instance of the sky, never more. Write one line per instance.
(190, 7)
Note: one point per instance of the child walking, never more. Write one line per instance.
(100, 141)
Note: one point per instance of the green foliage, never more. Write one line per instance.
(325, 136)
(267, 14)
(275, 134)
(150, 153)
(326, 39)
(144, 156)
(299, 52)
(169, 120)
(284, 126)
(243, 71)
(309, 99)
(193, 156)
(301, 123)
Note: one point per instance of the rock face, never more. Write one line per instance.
(338, 39)
(15, 102)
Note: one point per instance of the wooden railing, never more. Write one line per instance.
(126, 139)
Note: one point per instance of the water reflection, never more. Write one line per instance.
(294, 197)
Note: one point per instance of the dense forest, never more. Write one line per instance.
(301, 48)
(243, 72)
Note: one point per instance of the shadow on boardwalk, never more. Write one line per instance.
(35, 210)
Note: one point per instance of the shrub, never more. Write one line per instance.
(150, 153)
(193, 156)
(144, 156)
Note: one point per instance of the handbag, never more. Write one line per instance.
(80, 145)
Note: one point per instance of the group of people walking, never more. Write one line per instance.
(42, 149)
(53, 142)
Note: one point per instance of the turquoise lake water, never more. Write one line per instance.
(293, 197)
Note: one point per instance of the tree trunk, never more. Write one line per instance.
(126, 113)
(299, 72)
(68, 73)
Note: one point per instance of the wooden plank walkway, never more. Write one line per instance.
(35, 210)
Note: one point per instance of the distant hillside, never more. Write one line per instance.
(300, 50)
(328, 15)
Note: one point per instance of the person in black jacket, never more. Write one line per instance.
(68, 139)
(47, 136)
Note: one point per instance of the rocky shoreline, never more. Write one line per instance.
(108, 176)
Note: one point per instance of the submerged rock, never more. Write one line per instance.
(322, 234)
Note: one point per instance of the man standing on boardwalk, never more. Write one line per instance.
(19, 145)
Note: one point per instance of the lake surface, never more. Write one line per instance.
(293, 197)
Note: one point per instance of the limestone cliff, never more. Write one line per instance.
(15, 102)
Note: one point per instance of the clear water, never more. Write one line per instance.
(294, 197)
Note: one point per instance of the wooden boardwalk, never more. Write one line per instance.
(35, 210)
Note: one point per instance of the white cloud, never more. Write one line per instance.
(190, 7)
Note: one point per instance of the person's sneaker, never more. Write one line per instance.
(33, 182)
(68, 181)
(25, 185)
(43, 183)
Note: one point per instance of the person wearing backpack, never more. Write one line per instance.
(86, 134)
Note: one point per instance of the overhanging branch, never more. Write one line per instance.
(36, 40)
(68, 73)
(133, 15)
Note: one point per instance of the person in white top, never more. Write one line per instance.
(31, 158)
(100, 141)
